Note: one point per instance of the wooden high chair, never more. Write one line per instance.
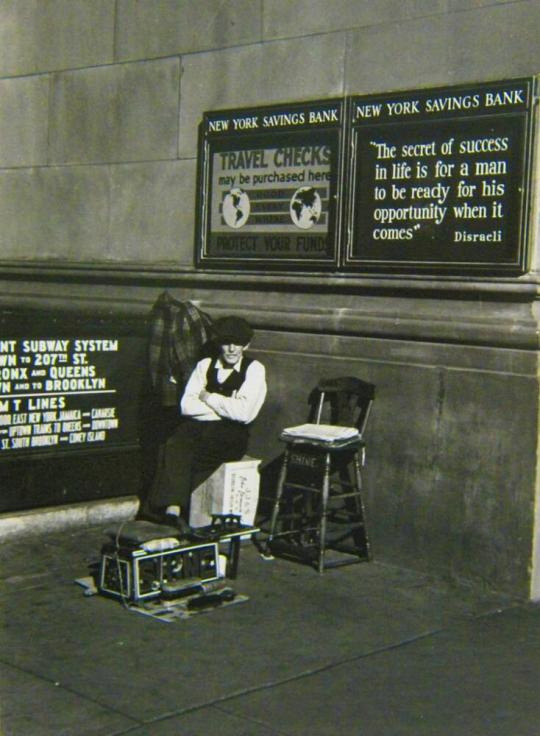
(318, 505)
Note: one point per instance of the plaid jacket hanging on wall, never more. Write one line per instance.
(178, 332)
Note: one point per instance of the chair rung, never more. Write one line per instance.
(291, 517)
(302, 487)
(353, 560)
(305, 555)
(293, 532)
(348, 519)
(319, 490)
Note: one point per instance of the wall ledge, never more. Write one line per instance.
(503, 319)
(72, 516)
(526, 286)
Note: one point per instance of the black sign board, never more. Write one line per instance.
(270, 187)
(67, 384)
(440, 179)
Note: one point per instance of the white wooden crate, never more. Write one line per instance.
(232, 489)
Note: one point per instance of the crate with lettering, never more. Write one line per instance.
(232, 489)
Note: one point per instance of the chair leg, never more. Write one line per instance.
(324, 512)
(277, 502)
(359, 500)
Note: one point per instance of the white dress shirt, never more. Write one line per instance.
(243, 406)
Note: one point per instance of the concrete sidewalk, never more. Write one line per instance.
(369, 650)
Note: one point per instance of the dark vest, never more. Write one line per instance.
(233, 382)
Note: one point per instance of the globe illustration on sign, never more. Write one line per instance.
(235, 208)
(305, 207)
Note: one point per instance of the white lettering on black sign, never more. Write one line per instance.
(55, 393)
(442, 177)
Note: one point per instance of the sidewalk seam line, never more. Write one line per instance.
(302, 675)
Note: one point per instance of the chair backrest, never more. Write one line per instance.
(348, 401)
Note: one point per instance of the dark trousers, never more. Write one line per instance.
(191, 455)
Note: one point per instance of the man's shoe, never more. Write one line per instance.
(178, 523)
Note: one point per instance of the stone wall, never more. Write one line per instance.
(100, 103)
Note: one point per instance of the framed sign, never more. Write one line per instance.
(440, 179)
(270, 187)
(67, 384)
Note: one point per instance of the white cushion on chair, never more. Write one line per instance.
(320, 432)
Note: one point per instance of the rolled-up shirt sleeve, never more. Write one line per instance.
(244, 405)
(190, 404)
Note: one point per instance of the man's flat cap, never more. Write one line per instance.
(232, 330)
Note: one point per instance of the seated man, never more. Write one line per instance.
(222, 398)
